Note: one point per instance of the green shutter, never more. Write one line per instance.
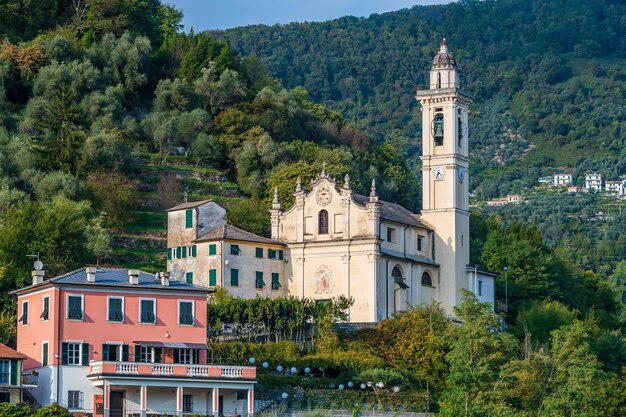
(189, 219)
(169, 254)
(234, 277)
(157, 355)
(137, 353)
(64, 353)
(124, 353)
(259, 252)
(44, 354)
(193, 251)
(85, 354)
(105, 352)
(196, 356)
(25, 313)
(269, 253)
(212, 249)
(275, 281)
(14, 372)
(280, 254)
(189, 277)
(234, 249)
(212, 277)
(176, 356)
(259, 279)
(184, 251)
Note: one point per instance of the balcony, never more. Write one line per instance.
(172, 370)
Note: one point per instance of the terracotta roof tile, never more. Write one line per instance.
(230, 232)
(8, 353)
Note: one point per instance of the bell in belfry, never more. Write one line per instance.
(438, 128)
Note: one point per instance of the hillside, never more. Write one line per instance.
(548, 79)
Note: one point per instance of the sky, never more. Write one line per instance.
(223, 14)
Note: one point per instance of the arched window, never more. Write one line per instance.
(323, 223)
(427, 280)
(396, 274)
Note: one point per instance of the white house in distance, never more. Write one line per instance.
(561, 180)
(593, 182)
(335, 242)
(616, 187)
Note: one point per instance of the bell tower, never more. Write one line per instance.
(445, 162)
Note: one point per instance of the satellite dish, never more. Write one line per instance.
(38, 265)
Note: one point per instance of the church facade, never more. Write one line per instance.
(334, 242)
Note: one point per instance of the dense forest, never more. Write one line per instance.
(547, 76)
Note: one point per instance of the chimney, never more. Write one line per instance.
(165, 279)
(133, 276)
(38, 276)
(91, 273)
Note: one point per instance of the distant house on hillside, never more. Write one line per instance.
(573, 189)
(561, 180)
(545, 180)
(593, 182)
(616, 187)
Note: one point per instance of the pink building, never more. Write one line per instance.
(118, 343)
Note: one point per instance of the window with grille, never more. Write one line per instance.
(323, 223)
(147, 314)
(74, 399)
(187, 403)
(115, 309)
(234, 250)
(73, 353)
(185, 312)
(186, 356)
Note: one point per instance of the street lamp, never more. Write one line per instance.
(266, 365)
(252, 360)
(279, 368)
(284, 396)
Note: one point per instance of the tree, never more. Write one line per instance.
(97, 240)
(478, 349)
(541, 318)
(115, 195)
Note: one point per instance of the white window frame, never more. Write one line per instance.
(146, 353)
(118, 350)
(80, 400)
(193, 312)
(80, 352)
(45, 342)
(154, 310)
(43, 303)
(188, 356)
(116, 297)
(67, 306)
(25, 302)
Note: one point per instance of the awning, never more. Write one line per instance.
(400, 282)
(173, 345)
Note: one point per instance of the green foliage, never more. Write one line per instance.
(52, 410)
(114, 194)
(10, 410)
(478, 348)
(541, 318)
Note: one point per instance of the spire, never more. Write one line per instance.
(346, 182)
(299, 185)
(373, 195)
(276, 201)
(443, 49)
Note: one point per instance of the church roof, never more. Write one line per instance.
(190, 205)
(230, 232)
(444, 58)
(391, 211)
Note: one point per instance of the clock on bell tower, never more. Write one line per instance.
(445, 163)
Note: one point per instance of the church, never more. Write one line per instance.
(334, 242)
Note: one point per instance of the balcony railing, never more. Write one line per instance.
(172, 370)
